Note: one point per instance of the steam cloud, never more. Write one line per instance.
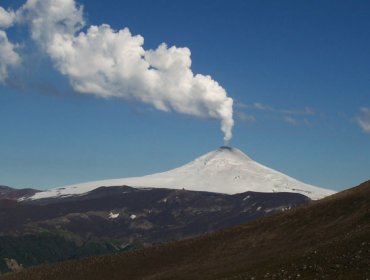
(110, 63)
(8, 56)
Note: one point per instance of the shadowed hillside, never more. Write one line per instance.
(328, 239)
(112, 219)
(14, 194)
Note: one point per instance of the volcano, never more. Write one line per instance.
(225, 170)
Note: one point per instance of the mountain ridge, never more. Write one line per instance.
(12, 193)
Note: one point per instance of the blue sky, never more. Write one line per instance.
(298, 72)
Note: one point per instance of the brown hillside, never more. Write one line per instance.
(328, 239)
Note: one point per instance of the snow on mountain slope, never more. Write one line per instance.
(225, 170)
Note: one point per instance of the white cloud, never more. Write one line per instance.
(244, 117)
(110, 63)
(6, 18)
(290, 120)
(8, 56)
(48, 18)
(261, 106)
(364, 119)
(302, 112)
(307, 111)
(291, 116)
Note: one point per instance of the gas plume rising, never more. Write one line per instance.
(113, 63)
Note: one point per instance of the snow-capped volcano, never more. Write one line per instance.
(225, 170)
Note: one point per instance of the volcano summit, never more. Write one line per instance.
(225, 170)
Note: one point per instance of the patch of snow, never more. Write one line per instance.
(113, 215)
(212, 172)
(247, 197)
(133, 217)
(259, 208)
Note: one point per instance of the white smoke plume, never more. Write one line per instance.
(8, 55)
(113, 63)
(6, 18)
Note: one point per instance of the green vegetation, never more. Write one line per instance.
(29, 250)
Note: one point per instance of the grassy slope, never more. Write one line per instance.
(328, 239)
